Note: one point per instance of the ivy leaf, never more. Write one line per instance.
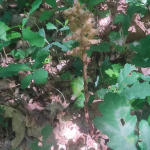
(45, 15)
(40, 76)
(26, 81)
(33, 38)
(50, 26)
(52, 3)
(102, 47)
(79, 103)
(35, 6)
(77, 86)
(13, 35)
(115, 109)
(137, 90)
(145, 134)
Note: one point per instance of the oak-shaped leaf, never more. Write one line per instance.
(117, 123)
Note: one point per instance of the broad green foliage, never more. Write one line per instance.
(51, 26)
(46, 131)
(101, 92)
(3, 44)
(66, 76)
(26, 81)
(45, 15)
(79, 103)
(137, 90)
(142, 57)
(33, 38)
(114, 109)
(52, 3)
(145, 134)
(77, 86)
(102, 47)
(3, 31)
(2, 123)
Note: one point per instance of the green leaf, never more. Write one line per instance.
(26, 81)
(24, 21)
(148, 119)
(50, 26)
(102, 47)
(35, 6)
(121, 134)
(78, 65)
(103, 13)
(137, 90)
(145, 134)
(40, 76)
(137, 104)
(125, 24)
(124, 73)
(52, 3)
(114, 36)
(33, 38)
(13, 35)
(34, 145)
(63, 47)
(92, 3)
(101, 92)
(45, 15)
(64, 28)
(146, 78)
(3, 30)
(3, 44)
(46, 131)
(139, 61)
(118, 18)
(77, 86)
(66, 76)
(39, 59)
(79, 103)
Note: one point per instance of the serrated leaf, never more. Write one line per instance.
(145, 134)
(52, 3)
(50, 26)
(137, 90)
(114, 109)
(35, 6)
(26, 81)
(79, 103)
(118, 18)
(45, 15)
(33, 38)
(77, 86)
(101, 92)
(102, 47)
(39, 59)
(13, 35)
(40, 76)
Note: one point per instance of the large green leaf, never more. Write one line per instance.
(33, 38)
(45, 15)
(77, 86)
(120, 133)
(26, 81)
(3, 30)
(3, 44)
(145, 134)
(13, 35)
(40, 76)
(124, 73)
(79, 103)
(118, 18)
(102, 47)
(52, 3)
(50, 26)
(114, 36)
(35, 6)
(137, 90)
(39, 59)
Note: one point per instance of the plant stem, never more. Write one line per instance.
(86, 93)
